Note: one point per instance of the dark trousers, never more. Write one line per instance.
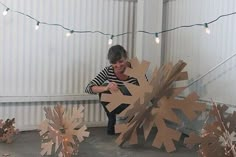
(112, 115)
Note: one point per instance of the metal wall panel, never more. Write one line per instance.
(28, 116)
(43, 64)
(201, 51)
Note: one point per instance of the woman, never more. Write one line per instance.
(114, 77)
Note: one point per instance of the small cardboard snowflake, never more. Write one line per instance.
(60, 133)
(7, 130)
(152, 103)
(218, 138)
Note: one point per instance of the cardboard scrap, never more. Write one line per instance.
(7, 130)
(218, 138)
(152, 102)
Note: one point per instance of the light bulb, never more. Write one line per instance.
(68, 34)
(157, 39)
(208, 31)
(37, 26)
(5, 12)
(110, 40)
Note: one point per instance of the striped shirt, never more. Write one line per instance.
(108, 74)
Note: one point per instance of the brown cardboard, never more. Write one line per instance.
(153, 102)
(218, 137)
(60, 128)
(7, 130)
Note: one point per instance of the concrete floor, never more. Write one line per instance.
(98, 144)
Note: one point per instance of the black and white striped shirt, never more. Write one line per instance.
(108, 74)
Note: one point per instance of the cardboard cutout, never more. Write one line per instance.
(60, 133)
(218, 138)
(7, 130)
(152, 103)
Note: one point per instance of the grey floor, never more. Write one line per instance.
(98, 144)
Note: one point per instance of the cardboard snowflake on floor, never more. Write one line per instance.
(7, 130)
(60, 133)
(152, 103)
(218, 138)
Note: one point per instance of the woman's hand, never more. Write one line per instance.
(112, 86)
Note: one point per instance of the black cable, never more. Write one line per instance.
(125, 33)
(3, 4)
(121, 34)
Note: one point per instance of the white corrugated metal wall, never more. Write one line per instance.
(38, 68)
(201, 51)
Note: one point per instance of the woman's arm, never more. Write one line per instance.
(99, 89)
(97, 84)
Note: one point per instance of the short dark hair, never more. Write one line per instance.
(115, 53)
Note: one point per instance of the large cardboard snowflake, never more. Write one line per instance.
(60, 133)
(218, 138)
(152, 103)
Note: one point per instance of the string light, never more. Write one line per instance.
(125, 33)
(68, 34)
(157, 38)
(5, 12)
(207, 29)
(37, 25)
(110, 40)
(121, 34)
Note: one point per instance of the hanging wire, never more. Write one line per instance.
(214, 68)
(121, 34)
(126, 33)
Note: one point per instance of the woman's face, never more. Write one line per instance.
(120, 65)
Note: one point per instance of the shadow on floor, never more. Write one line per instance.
(98, 144)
